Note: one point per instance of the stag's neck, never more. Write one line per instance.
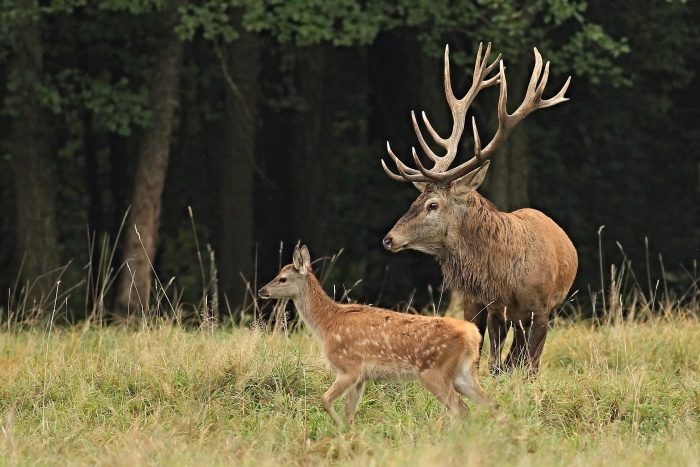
(316, 308)
(476, 251)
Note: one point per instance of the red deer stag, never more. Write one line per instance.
(364, 343)
(518, 265)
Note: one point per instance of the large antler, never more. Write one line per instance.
(439, 173)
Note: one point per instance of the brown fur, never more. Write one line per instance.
(519, 264)
(364, 343)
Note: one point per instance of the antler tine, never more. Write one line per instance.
(477, 140)
(559, 98)
(493, 65)
(458, 109)
(532, 87)
(415, 176)
(403, 177)
(506, 122)
(531, 102)
(502, 99)
(403, 168)
(420, 165)
(480, 156)
(434, 157)
(391, 174)
(405, 173)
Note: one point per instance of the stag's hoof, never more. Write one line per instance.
(498, 370)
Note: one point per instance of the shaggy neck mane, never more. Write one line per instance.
(480, 250)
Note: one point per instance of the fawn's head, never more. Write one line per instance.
(291, 279)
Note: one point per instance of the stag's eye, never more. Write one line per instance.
(283, 280)
(432, 206)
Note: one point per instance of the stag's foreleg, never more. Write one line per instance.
(498, 330)
(478, 314)
(528, 341)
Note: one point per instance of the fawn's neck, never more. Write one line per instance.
(315, 307)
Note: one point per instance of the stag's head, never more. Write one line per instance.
(443, 189)
(425, 226)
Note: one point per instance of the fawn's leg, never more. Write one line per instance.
(437, 382)
(466, 382)
(352, 400)
(341, 384)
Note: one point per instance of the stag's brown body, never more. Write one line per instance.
(520, 261)
(512, 268)
(366, 343)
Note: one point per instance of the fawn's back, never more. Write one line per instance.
(388, 345)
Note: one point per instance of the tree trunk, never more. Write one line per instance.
(141, 230)
(238, 166)
(507, 184)
(308, 151)
(33, 166)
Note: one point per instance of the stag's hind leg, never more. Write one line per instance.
(519, 354)
(536, 339)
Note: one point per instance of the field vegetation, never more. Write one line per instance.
(619, 390)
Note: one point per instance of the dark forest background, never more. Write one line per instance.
(269, 119)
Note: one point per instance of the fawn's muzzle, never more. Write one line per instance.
(263, 293)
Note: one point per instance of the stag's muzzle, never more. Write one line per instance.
(387, 242)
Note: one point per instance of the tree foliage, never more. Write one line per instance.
(336, 79)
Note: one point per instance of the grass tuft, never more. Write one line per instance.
(623, 394)
(621, 388)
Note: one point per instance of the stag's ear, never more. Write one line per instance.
(420, 186)
(305, 260)
(471, 181)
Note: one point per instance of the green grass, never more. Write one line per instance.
(627, 394)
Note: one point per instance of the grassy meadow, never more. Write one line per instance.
(617, 394)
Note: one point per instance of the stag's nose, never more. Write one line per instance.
(263, 293)
(387, 242)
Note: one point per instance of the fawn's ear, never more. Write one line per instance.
(306, 260)
(297, 259)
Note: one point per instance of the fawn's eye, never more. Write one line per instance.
(283, 280)
(432, 206)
